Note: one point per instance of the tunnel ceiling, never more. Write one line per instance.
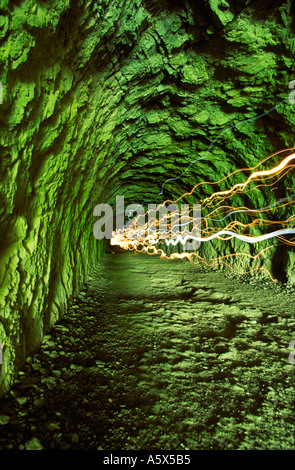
(111, 98)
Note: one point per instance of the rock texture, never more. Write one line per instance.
(176, 362)
(111, 98)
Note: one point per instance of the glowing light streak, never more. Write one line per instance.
(227, 176)
(148, 240)
(234, 126)
(244, 238)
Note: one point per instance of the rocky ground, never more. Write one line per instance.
(159, 354)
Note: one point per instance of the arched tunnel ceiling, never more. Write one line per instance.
(113, 98)
(148, 87)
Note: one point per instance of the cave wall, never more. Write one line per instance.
(109, 98)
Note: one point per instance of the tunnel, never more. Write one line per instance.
(109, 343)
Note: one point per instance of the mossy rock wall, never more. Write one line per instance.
(111, 98)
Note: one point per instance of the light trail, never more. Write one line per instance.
(150, 237)
(244, 238)
(234, 126)
(228, 176)
(256, 174)
(244, 211)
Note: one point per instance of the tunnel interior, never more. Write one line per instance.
(142, 99)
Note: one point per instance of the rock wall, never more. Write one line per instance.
(111, 98)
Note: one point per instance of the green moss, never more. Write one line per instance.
(101, 100)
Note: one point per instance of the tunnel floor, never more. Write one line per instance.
(160, 354)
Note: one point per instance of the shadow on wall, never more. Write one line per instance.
(281, 263)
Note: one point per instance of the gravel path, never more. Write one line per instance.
(158, 354)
